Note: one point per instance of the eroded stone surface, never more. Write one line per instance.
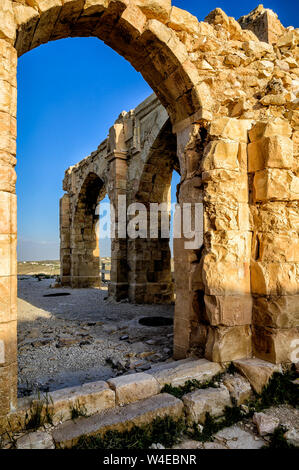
(257, 372)
(134, 387)
(209, 400)
(119, 419)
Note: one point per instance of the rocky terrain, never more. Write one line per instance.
(77, 336)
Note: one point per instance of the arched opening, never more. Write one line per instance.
(150, 257)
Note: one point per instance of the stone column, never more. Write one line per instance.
(214, 304)
(117, 186)
(273, 165)
(226, 262)
(8, 225)
(65, 240)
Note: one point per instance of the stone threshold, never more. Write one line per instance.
(135, 399)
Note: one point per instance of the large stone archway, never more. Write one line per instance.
(222, 88)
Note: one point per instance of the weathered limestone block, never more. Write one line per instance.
(8, 389)
(134, 387)
(91, 397)
(7, 24)
(8, 94)
(8, 343)
(276, 345)
(277, 247)
(276, 312)
(276, 184)
(228, 343)
(257, 372)
(223, 186)
(179, 372)
(229, 246)
(8, 298)
(182, 20)
(264, 23)
(265, 424)
(8, 261)
(274, 278)
(158, 9)
(36, 440)
(26, 19)
(231, 310)
(49, 12)
(119, 419)
(274, 127)
(288, 39)
(209, 400)
(228, 216)
(270, 152)
(224, 277)
(230, 128)
(220, 154)
(239, 388)
(275, 216)
(8, 213)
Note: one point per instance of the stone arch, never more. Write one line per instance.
(149, 259)
(84, 241)
(135, 30)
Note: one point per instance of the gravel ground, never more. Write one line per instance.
(68, 340)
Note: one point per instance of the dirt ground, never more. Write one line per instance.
(67, 340)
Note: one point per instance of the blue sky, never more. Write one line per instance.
(69, 94)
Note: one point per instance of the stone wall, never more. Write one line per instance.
(217, 82)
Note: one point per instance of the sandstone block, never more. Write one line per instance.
(7, 24)
(274, 278)
(8, 343)
(8, 389)
(8, 298)
(265, 424)
(270, 152)
(257, 371)
(228, 343)
(230, 128)
(224, 277)
(229, 245)
(119, 419)
(209, 400)
(275, 216)
(36, 440)
(277, 247)
(220, 154)
(276, 312)
(179, 372)
(133, 387)
(273, 127)
(225, 186)
(230, 310)
(276, 345)
(182, 20)
(275, 184)
(239, 388)
(292, 436)
(158, 9)
(8, 213)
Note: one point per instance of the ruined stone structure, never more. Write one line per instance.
(136, 161)
(233, 105)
